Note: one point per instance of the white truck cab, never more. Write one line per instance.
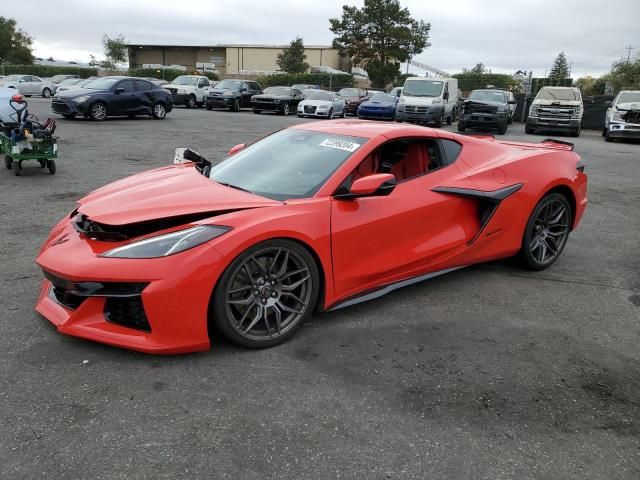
(623, 116)
(428, 100)
(189, 90)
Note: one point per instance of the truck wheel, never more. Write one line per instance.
(191, 102)
(575, 133)
(502, 129)
(528, 130)
(16, 168)
(440, 121)
(461, 126)
(608, 137)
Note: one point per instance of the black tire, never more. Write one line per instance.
(604, 132)
(191, 101)
(46, 92)
(330, 114)
(43, 163)
(200, 104)
(461, 126)
(344, 113)
(450, 119)
(547, 230)
(510, 120)
(608, 137)
(51, 165)
(529, 130)
(285, 109)
(69, 116)
(257, 112)
(267, 273)
(8, 162)
(575, 132)
(439, 122)
(235, 107)
(98, 112)
(209, 106)
(502, 129)
(17, 166)
(159, 111)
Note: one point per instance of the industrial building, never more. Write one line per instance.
(227, 60)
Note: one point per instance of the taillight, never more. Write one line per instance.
(580, 165)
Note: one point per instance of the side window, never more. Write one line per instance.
(245, 85)
(126, 84)
(204, 83)
(35, 79)
(26, 78)
(451, 151)
(257, 86)
(141, 85)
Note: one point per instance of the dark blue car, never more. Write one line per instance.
(109, 96)
(380, 106)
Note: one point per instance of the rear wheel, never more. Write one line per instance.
(8, 162)
(17, 166)
(46, 92)
(546, 232)
(266, 294)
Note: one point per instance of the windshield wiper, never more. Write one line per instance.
(234, 186)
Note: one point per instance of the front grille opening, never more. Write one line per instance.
(128, 312)
(66, 298)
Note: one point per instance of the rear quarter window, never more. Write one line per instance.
(451, 151)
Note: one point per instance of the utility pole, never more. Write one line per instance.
(629, 48)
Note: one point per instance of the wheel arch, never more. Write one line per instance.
(565, 191)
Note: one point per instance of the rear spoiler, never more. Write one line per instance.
(560, 144)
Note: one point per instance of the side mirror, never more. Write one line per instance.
(118, 90)
(236, 149)
(376, 185)
(445, 96)
(398, 93)
(608, 103)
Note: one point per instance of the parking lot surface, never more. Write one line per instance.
(490, 372)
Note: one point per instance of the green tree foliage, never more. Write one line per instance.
(625, 75)
(591, 86)
(15, 45)
(115, 50)
(292, 59)
(379, 36)
(478, 69)
(468, 80)
(560, 68)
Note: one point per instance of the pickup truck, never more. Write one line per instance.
(623, 116)
(189, 90)
(556, 108)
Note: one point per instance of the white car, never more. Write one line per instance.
(189, 90)
(322, 104)
(29, 85)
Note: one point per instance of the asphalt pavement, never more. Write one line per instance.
(490, 372)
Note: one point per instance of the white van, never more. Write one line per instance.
(428, 100)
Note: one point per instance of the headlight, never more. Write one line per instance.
(168, 244)
(182, 90)
(617, 115)
(81, 99)
(323, 107)
(533, 110)
(276, 101)
(227, 93)
(436, 101)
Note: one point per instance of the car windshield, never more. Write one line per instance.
(82, 83)
(69, 81)
(302, 86)
(568, 94)
(628, 97)
(12, 78)
(349, 92)
(277, 91)
(383, 98)
(488, 96)
(422, 88)
(327, 97)
(185, 80)
(229, 84)
(291, 163)
(102, 83)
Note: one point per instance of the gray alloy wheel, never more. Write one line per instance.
(330, 115)
(159, 111)
(46, 92)
(546, 232)
(266, 293)
(285, 109)
(98, 112)
(236, 105)
(191, 103)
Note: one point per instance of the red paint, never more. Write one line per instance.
(360, 244)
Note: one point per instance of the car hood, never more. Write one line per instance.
(222, 90)
(628, 106)
(565, 103)
(76, 92)
(166, 192)
(379, 104)
(272, 96)
(315, 103)
(485, 102)
(183, 87)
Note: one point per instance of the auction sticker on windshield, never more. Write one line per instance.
(340, 144)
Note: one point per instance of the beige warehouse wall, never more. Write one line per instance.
(147, 56)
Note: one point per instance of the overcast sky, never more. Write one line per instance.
(505, 35)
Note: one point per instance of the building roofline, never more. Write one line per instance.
(223, 45)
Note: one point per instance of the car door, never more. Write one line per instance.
(203, 89)
(36, 85)
(24, 85)
(413, 230)
(145, 95)
(125, 99)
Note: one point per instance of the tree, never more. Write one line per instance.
(560, 69)
(478, 69)
(115, 49)
(292, 59)
(379, 36)
(15, 45)
(591, 86)
(625, 75)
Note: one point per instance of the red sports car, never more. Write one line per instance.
(320, 215)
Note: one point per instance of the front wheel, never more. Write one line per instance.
(235, 107)
(546, 232)
(528, 130)
(266, 293)
(440, 121)
(51, 165)
(330, 114)
(502, 129)
(461, 126)
(575, 132)
(450, 119)
(285, 109)
(98, 112)
(191, 101)
(46, 92)
(8, 162)
(159, 111)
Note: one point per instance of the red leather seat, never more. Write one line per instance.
(415, 162)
